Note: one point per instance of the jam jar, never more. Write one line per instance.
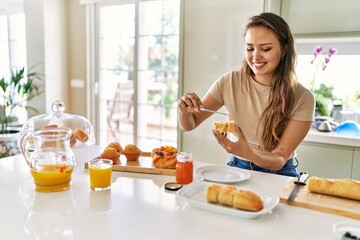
(184, 168)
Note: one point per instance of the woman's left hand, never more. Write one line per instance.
(239, 148)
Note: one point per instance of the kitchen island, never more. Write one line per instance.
(138, 207)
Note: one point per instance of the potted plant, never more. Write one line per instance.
(15, 93)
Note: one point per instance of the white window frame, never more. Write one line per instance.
(92, 47)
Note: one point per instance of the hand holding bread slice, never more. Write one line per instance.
(224, 126)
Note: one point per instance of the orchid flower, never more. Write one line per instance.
(331, 52)
(317, 51)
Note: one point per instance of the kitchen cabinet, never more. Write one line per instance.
(356, 165)
(327, 160)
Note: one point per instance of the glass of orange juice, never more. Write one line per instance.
(100, 174)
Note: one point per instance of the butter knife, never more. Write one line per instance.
(212, 111)
(298, 184)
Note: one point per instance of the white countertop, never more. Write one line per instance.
(332, 138)
(138, 207)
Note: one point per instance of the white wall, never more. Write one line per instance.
(56, 52)
(213, 44)
(56, 44)
(34, 19)
(77, 57)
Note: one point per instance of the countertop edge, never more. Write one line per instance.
(316, 136)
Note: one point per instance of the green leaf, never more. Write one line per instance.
(3, 84)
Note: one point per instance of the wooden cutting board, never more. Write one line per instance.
(144, 165)
(321, 202)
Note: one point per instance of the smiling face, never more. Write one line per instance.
(263, 53)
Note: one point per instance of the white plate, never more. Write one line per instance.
(339, 229)
(222, 174)
(194, 194)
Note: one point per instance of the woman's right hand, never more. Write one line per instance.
(189, 102)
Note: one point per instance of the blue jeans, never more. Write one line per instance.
(289, 169)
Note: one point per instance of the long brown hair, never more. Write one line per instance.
(281, 98)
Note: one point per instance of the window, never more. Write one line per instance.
(12, 43)
(12, 38)
(138, 72)
(341, 72)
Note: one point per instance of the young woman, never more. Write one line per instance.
(272, 111)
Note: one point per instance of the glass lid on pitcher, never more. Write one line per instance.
(82, 129)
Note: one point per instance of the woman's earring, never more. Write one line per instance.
(282, 57)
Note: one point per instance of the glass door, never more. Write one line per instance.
(138, 48)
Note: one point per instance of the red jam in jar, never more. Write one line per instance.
(184, 168)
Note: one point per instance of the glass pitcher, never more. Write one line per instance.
(51, 159)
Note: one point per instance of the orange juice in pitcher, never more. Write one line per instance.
(52, 161)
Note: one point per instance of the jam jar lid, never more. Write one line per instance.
(82, 129)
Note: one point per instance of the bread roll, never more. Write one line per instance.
(52, 126)
(224, 126)
(231, 196)
(110, 153)
(81, 135)
(345, 188)
(132, 152)
(72, 140)
(248, 201)
(226, 195)
(117, 146)
(212, 193)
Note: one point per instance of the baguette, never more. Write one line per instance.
(226, 195)
(212, 193)
(231, 196)
(345, 188)
(248, 201)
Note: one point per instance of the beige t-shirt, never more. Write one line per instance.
(246, 109)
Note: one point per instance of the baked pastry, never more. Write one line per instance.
(164, 157)
(132, 152)
(117, 146)
(212, 193)
(231, 196)
(247, 200)
(81, 135)
(51, 126)
(346, 188)
(224, 126)
(110, 153)
(72, 140)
